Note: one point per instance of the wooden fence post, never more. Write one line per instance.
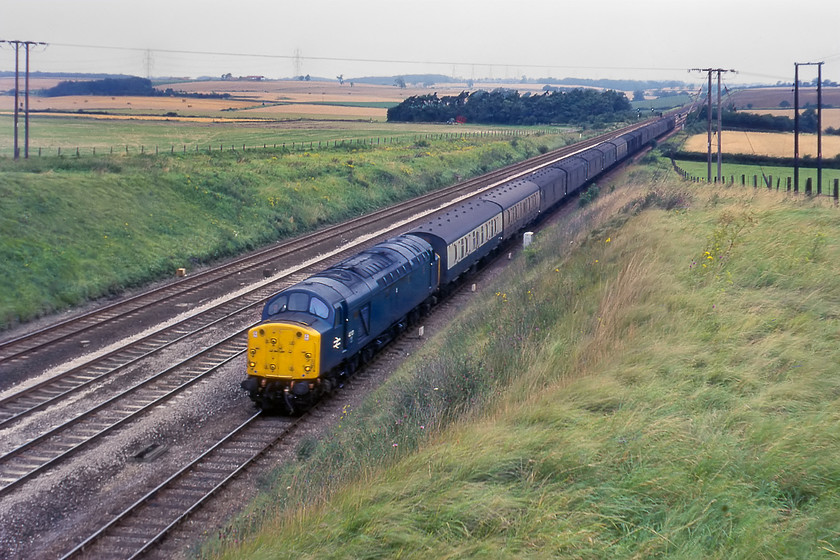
(808, 187)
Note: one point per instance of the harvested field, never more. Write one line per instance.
(73, 103)
(314, 111)
(765, 143)
(830, 117)
(260, 99)
(760, 98)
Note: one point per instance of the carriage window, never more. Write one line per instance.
(318, 308)
(278, 305)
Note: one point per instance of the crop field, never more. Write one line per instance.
(830, 117)
(760, 98)
(260, 99)
(257, 113)
(765, 143)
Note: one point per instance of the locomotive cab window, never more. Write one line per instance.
(300, 301)
(279, 305)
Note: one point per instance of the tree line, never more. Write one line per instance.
(119, 86)
(751, 121)
(504, 106)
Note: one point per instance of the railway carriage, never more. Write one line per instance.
(594, 162)
(519, 201)
(575, 169)
(461, 237)
(620, 144)
(608, 156)
(553, 185)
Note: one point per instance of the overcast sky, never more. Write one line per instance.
(637, 39)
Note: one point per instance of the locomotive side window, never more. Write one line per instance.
(318, 308)
(278, 305)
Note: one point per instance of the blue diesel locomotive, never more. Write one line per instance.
(315, 333)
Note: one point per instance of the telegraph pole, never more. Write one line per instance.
(719, 119)
(796, 124)
(27, 45)
(16, 152)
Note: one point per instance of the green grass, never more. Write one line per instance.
(105, 136)
(730, 171)
(654, 378)
(73, 229)
(662, 102)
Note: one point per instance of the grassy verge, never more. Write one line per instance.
(72, 229)
(731, 170)
(654, 378)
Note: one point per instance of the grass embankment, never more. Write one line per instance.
(655, 378)
(73, 229)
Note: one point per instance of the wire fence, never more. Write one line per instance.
(294, 146)
(780, 183)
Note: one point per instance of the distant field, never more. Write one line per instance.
(257, 113)
(765, 143)
(830, 117)
(760, 98)
(662, 102)
(272, 100)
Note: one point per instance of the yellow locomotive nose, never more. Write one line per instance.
(283, 351)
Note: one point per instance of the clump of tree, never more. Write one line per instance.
(504, 106)
(141, 87)
(108, 86)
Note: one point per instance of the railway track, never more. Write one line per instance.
(52, 447)
(46, 451)
(109, 323)
(143, 525)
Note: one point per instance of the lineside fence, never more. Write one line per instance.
(296, 146)
(768, 181)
